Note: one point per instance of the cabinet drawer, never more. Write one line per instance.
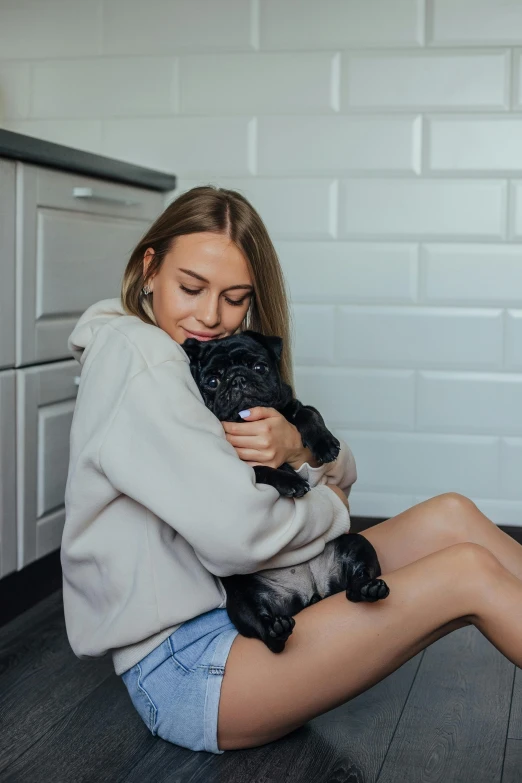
(71, 253)
(7, 473)
(7, 263)
(76, 193)
(45, 400)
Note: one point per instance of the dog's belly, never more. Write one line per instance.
(315, 576)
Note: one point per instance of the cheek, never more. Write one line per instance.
(170, 310)
(234, 316)
(172, 306)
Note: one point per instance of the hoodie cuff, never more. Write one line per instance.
(341, 516)
(312, 475)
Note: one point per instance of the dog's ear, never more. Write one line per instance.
(271, 342)
(192, 348)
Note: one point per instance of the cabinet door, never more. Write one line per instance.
(7, 263)
(45, 401)
(7, 473)
(75, 235)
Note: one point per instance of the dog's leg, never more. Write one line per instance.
(287, 482)
(258, 610)
(314, 433)
(361, 568)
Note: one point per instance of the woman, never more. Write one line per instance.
(158, 507)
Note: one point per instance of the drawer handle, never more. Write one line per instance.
(88, 193)
(77, 380)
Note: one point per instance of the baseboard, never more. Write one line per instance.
(23, 589)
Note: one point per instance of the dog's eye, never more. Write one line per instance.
(213, 382)
(261, 368)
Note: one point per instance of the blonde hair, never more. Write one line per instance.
(209, 208)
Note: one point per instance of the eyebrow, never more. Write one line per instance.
(204, 280)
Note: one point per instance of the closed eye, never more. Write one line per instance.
(194, 292)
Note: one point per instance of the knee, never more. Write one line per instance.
(455, 502)
(474, 559)
(458, 515)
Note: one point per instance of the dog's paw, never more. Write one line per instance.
(277, 629)
(325, 448)
(371, 591)
(288, 483)
(292, 486)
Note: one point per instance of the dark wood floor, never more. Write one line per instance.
(451, 714)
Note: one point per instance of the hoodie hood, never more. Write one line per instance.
(96, 316)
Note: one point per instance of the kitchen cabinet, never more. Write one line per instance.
(45, 398)
(68, 223)
(8, 542)
(73, 236)
(7, 263)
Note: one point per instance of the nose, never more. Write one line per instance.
(209, 313)
(239, 382)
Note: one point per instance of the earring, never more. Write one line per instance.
(146, 290)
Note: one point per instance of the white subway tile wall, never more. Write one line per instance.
(474, 144)
(292, 145)
(32, 29)
(474, 22)
(15, 88)
(429, 208)
(515, 218)
(211, 146)
(309, 24)
(425, 79)
(283, 83)
(380, 142)
(103, 87)
(166, 26)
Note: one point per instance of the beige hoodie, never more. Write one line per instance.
(158, 503)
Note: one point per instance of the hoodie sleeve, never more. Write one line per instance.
(165, 449)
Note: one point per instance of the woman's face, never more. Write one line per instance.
(213, 268)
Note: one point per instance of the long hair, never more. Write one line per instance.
(209, 208)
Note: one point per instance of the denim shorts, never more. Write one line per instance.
(176, 687)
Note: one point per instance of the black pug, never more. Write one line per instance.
(242, 371)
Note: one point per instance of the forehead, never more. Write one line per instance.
(214, 256)
(239, 352)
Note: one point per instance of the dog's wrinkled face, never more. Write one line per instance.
(237, 372)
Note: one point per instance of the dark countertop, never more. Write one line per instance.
(56, 156)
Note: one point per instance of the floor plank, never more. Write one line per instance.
(40, 677)
(513, 762)
(22, 636)
(100, 739)
(515, 720)
(454, 725)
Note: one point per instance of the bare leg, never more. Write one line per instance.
(437, 523)
(339, 649)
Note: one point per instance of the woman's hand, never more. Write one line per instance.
(267, 438)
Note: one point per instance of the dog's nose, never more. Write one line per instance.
(239, 382)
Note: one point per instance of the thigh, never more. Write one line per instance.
(339, 649)
(425, 528)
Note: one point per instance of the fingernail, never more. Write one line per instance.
(244, 413)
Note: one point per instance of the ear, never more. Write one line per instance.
(271, 342)
(192, 348)
(148, 257)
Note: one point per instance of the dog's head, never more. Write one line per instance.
(237, 372)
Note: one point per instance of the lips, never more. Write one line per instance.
(201, 337)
